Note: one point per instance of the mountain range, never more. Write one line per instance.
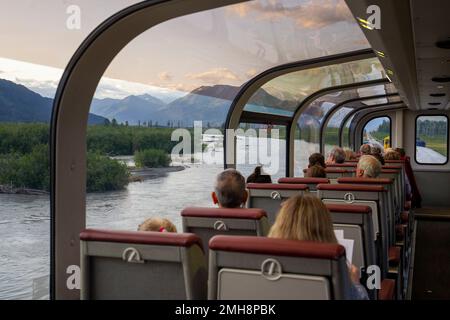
(19, 104)
(207, 103)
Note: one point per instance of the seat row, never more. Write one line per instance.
(243, 264)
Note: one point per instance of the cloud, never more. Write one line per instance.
(165, 76)
(215, 76)
(314, 14)
(251, 73)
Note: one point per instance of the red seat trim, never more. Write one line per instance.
(374, 181)
(334, 170)
(274, 186)
(142, 237)
(342, 165)
(351, 187)
(303, 180)
(390, 167)
(346, 208)
(394, 255)
(277, 247)
(389, 171)
(235, 213)
(387, 291)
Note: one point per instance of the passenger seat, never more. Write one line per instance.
(142, 265)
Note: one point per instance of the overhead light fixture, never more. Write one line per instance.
(440, 87)
(364, 23)
(380, 54)
(437, 95)
(441, 79)
(434, 103)
(443, 44)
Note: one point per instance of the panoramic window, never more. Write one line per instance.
(346, 141)
(54, 29)
(261, 145)
(377, 132)
(432, 139)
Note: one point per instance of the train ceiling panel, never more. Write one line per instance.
(413, 43)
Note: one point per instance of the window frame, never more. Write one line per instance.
(373, 118)
(415, 137)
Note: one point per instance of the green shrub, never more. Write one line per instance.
(105, 174)
(151, 158)
(30, 170)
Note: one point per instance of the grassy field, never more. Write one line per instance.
(437, 143)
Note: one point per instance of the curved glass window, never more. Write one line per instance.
(331, 132)
(261, 145)
(346, 133)
(377, 132)
(38, 39)
(283, 94)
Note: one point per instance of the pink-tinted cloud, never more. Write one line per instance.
(313, 14)
(215, 76)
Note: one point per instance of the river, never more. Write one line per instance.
(25, 219)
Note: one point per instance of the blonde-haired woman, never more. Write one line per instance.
(306, 218)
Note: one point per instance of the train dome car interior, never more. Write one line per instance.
(334, 73)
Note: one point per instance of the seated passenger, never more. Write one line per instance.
(157, 224)
(365, 149)
(316, 159)
(392, 154)
(315, 172)
(257, 177)
(306, 218)
(336, 156)
(368, 167)
(229, 190)
(376, 152)
(349, 155)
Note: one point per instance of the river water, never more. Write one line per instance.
(25, 221)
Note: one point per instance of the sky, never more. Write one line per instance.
(227, 45)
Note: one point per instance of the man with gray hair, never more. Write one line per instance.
(368, 167)
(337, 156)
(229, 189)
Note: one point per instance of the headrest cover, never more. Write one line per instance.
(373, 181)
(277, 247)
(347, 208)
(142, 237)
(351, 187)
(303, 180)
(274, 186)
(237, 213)
(342, 165)
(392, 167)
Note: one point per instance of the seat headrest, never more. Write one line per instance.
(392, 167)
(333, 170)
(275, 186)
(390, 171)
(374, 181)
(303, 180)
(347, 208)
(342, 165)
(277, 247)
(142, 237)
(235, 213)
(351, 187)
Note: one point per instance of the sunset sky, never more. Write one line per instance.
(227, 45)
